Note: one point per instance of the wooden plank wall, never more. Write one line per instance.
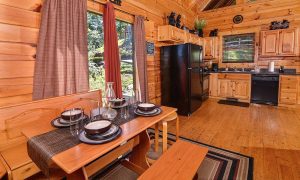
(257, 17)
(19, 27)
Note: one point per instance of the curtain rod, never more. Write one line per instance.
(115, 8)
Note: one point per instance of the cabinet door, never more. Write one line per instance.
(224, 88)
(208, 51)
(269, 43)
(213, 85)
(287, 42)
(241, 90)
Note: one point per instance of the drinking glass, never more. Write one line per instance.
(133, 100)
(76, 125)
(125, 110)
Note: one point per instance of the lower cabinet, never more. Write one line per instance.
(288, 90)
(225, 88)
(239, 89)
(231, 85)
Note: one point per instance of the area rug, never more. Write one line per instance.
(234, 103)
(218, 164)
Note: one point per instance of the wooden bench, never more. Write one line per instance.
(181, 161)
(2, 169)
(13, 147)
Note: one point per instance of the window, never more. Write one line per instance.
(239, 48)
(96, 53)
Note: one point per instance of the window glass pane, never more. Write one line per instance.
(125, 34)
(96, 56)
(239, 48)
(95, 51)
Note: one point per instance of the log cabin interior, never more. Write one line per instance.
(159, 89)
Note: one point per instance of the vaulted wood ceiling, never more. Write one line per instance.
(203, 5)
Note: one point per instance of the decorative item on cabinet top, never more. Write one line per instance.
(199, 25)
(171, 19)
(213, 33)
(285, 24)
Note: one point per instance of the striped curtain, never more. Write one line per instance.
(61, 65)
(140, 59)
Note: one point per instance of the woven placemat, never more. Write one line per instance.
(43, 147)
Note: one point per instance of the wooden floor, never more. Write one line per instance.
(269, 134)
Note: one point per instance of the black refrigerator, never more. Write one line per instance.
(181, 75)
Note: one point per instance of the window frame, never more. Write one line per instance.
(133, 46)
(240, 34)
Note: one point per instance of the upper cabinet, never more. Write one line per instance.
(194, 39)
(169, 33)
(288, 42)
(280, 42)
(211, 50)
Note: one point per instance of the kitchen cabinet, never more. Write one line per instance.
(170, 33)
(211, 48)
(288, 42)
(288, 90)
(194, 39)
(241, 89)
(280, 42)
(225, 88)
(234, 86)
(213, 85)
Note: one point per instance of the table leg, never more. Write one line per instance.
(165, 136)
(139, 152)
(156, 137)
(177, 128)
(79, 174)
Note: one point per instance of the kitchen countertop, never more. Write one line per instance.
(262, 71)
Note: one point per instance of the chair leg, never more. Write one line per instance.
(156, 137)
(177, 128)
(165, 136)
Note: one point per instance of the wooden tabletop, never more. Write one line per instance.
(78, 156)
(181, 161)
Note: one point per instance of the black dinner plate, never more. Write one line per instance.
(83, 138)
(147, 114)
(113, 130)
(58, 124)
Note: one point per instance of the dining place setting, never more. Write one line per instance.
(103, 123)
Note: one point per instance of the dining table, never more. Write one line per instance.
(82, 160)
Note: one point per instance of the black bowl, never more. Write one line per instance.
(76, 115)
(97, 127)
(146, 107)
(118, 102)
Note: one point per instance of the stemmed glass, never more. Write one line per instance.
(125, 109)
